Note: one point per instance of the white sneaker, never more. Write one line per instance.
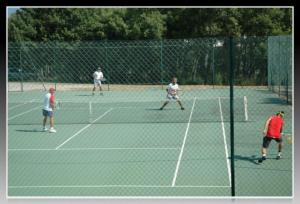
(52, 130)
(45, 129)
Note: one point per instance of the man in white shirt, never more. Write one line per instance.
(98, 76)
(172, 94)
(48, 108)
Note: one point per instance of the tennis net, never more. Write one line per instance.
(68, 112)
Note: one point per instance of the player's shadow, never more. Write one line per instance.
(34, 130)
(275, 101)
(153, 109)
(265, 92)
(165, 109)
(253, 159)
(84, 95)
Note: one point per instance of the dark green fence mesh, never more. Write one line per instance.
(121, 144)
(195, 61)
(280, 76)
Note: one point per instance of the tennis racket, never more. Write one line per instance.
(103, 79)
(58, 105)
(288, 137)
(180, 92)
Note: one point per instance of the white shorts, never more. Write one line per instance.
(97, 82)
(172, 97)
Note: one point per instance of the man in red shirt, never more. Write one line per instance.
(272, 131)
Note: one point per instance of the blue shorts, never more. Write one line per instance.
(47, 113)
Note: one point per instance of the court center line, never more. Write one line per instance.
(225, 143)
(118, 186)
(82, 129)
(183, 144)
(88, 149)
(18, 115)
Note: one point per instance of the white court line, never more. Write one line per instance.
(82, 129)
(183, 144)
(22, 104)
(15, 116)
(118, 186)
(225, 143)
(88, 149)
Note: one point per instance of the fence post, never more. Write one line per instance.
(279, 72)
(268, 64)
(20, 69)
(213, 65)
(161, 64)
(287, 88)
(106, 65)
(55, 67)
(231, 79)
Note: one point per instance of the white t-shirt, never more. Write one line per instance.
(172, 89)
(48, 97)
(98, 75)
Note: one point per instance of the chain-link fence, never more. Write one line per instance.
(280, 66)
(197, 62)
(124, 142)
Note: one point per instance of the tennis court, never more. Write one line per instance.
(120, 144)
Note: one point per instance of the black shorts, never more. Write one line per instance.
(267, 141)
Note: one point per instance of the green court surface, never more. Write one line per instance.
(125, 147)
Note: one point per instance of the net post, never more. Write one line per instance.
(231, 79)
(246, 107)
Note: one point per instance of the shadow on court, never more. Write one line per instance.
(274, 101)
(153, 109)
(252, 159)
(34, 130)
(84, 95)
(265, 92)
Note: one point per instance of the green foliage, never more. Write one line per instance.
(196, 59)
(86, 24)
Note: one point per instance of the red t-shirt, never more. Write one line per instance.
(275, 127)
(52, 99)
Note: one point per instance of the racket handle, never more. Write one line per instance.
(58, 105)
(289, 139)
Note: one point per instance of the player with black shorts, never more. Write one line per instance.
(272, 131)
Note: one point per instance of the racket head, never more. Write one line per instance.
(180, 93)
(289, 138)
(58, 105)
